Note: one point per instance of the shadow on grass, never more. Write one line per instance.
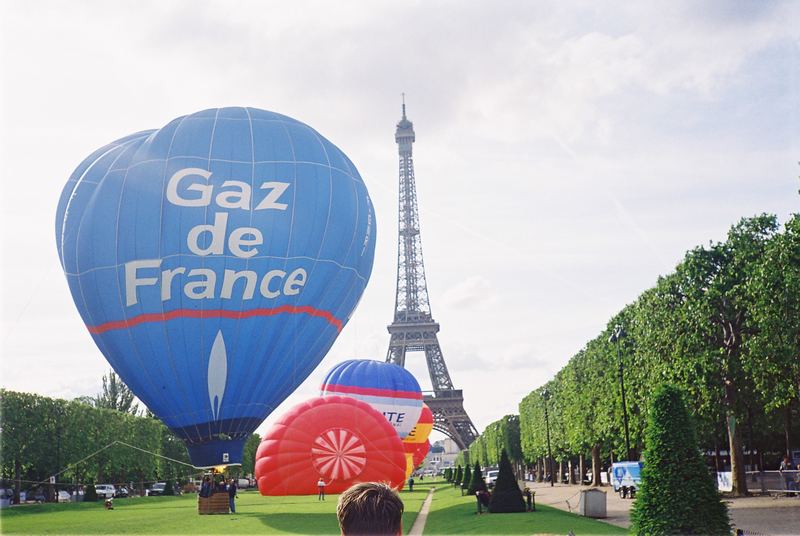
(463, 519)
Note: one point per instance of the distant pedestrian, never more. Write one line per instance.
(370, 508)
(233, 490)
(321, 486)
(411, 484)
(786, 470)
(528, 498)
(483, 497)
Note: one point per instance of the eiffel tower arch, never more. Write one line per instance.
(413, 328)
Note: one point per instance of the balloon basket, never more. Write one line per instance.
(217, 503)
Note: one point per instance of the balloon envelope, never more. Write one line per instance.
(420, 452)
(388, 388)
(339, 439)
(215, 261)
(419, 434)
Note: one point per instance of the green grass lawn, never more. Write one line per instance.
(178, 515)
(451, 513)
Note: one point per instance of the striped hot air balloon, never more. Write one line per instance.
(388, 388)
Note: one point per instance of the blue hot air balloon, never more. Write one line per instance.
(389, 388)
(215, 261)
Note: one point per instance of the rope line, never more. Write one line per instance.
(98, 451)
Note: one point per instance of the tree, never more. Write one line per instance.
(249, 454)
(507, 497)
(718, 320)
(678, 495)
(774, 291)
(116, 395)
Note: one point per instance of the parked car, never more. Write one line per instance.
(121, 493)
(491, 477)
(63, 496)
(105, 491)
(34, 495)
(156, 489)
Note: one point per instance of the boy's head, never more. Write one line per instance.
(370, 508)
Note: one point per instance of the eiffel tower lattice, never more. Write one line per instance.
(413, 328)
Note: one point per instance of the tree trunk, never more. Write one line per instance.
(787, 429)
(571, 469)
(17, 479)
(717, 456)
(560, 472)
(738, 477)
(750, 438)
(581, 468)
(540, 470)
(596, 480)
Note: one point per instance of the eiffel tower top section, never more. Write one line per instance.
(404, 135)
(411, 300)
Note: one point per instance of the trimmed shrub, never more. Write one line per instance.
(678, 495)
(467, 477)
(90, 493)
(458, 477)
(507, 497)
(477, 483)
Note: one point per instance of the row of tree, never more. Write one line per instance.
(44, 437)
(724, 327)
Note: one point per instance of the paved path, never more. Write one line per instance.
(419, 524)
(773, 516)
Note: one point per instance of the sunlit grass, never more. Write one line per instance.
(178, 515)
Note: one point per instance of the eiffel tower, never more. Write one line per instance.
(413, 328)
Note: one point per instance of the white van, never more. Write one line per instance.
(491, 477)
(105, 491)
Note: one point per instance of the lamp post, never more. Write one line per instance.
(546, 397)
(615, 337)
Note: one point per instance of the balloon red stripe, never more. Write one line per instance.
(214, 313)
(332, 388)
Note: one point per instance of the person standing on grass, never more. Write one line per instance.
(321, 486)
(232, 489)
(370, 508)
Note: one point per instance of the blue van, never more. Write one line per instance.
(626, 477)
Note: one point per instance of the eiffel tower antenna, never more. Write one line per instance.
(413, 328)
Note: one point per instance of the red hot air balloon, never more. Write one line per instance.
(339, 439)
(420, 452)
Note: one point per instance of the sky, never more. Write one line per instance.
(567, 153)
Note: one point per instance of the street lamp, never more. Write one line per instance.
(615, 337)
(546, 397)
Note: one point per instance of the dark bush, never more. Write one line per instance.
(506, 497)
(678, 495)
(477, 482)
(90, 493)
(458, 477)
